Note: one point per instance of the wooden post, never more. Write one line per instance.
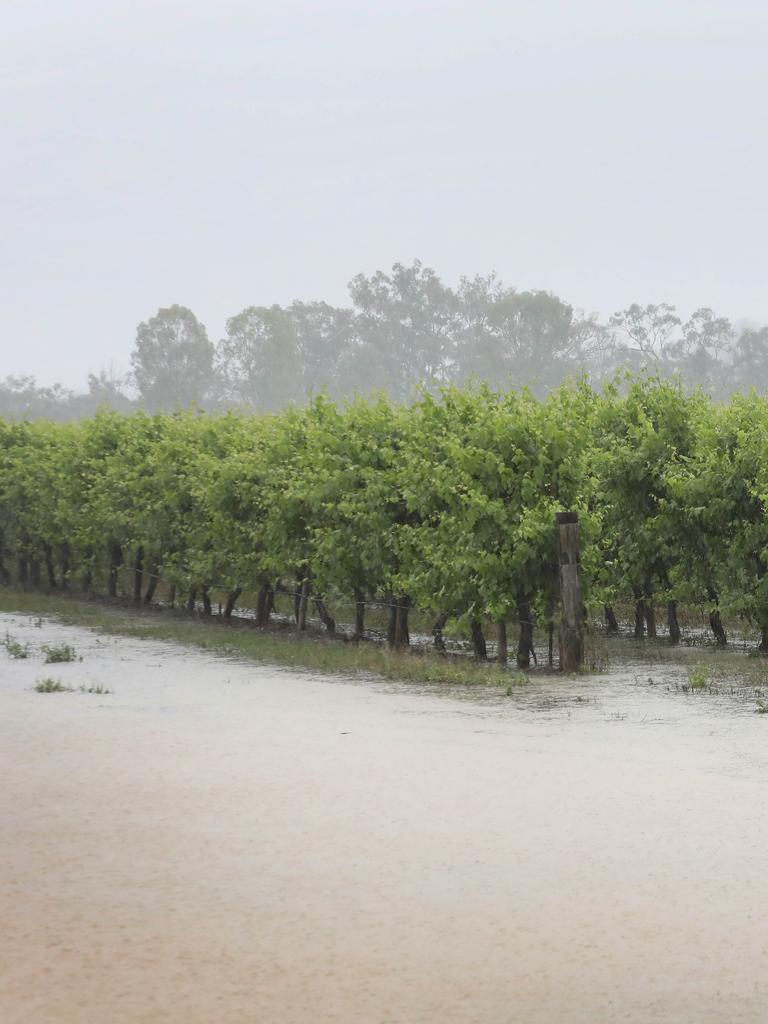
(501, 640)
(301, 618)
(115, 562)
(402, 634)
(571, 623)
(359, 614)
(138, 575)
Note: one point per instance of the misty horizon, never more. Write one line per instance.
(116, 365)
(245, 154)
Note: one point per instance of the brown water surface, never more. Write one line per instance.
(219, 843)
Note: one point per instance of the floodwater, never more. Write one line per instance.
(216, 842)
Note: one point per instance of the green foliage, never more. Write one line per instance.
(173, 359)
(698, 677)
(14, 649)
(56, 654)
(447, 504)
(49, 685)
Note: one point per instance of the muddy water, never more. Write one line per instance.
(218, 842)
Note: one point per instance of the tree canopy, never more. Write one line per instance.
(403, 331)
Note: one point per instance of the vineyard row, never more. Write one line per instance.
(447, 505)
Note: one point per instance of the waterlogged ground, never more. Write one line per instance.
(215, 842)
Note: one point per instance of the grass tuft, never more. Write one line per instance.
(57, 654)
(14, 649)
(698, 677)
(49, 685)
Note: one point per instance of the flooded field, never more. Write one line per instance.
(217, 842)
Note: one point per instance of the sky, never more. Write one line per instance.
(226, 154)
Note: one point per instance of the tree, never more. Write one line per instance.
(649, 331)
(510, 337)
(172, 360)
(406, 324)
(23, 398)
(258, 359)
(106, 390)
(704, 331)
(325, 342)
(698, 354)
(750, 364)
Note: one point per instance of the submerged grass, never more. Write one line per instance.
(285, 647)
(49, 685)
(14, 649)
(56, 654)
(698, 677)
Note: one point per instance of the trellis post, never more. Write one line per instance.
(572, 621)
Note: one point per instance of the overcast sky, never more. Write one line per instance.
(223, 154)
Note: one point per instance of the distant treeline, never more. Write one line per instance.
(403, 330)
(446, 504)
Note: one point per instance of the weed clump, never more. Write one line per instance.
(49, 685)
(698, 677)
(56, 654)
(96, 688)
(14, 649)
